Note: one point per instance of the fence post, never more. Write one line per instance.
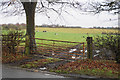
(89, 48)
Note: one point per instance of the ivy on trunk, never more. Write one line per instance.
(30, 46)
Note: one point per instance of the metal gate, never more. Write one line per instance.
(61, 49)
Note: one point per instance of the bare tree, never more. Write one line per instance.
(30, 7)
(112, 6)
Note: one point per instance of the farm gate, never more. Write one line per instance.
(46, 47)
(61, 49)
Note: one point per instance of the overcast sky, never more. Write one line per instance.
(75, 18)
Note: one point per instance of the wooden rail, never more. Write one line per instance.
(58, 41)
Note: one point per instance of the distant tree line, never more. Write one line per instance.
(46, 25)
(57, 26)
(106, 27)
(21, 26)
(16, 26)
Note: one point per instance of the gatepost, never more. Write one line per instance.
(89, 48)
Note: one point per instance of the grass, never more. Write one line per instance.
(39, 63)
(68, 34)
(75, 37)
(75, 30)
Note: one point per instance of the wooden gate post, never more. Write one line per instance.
(89, 48)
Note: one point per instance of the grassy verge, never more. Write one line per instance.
(39, 63)
(101, 68)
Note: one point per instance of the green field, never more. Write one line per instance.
(68, 34)
(75, 37)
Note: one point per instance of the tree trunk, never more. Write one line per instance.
(30, 46)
